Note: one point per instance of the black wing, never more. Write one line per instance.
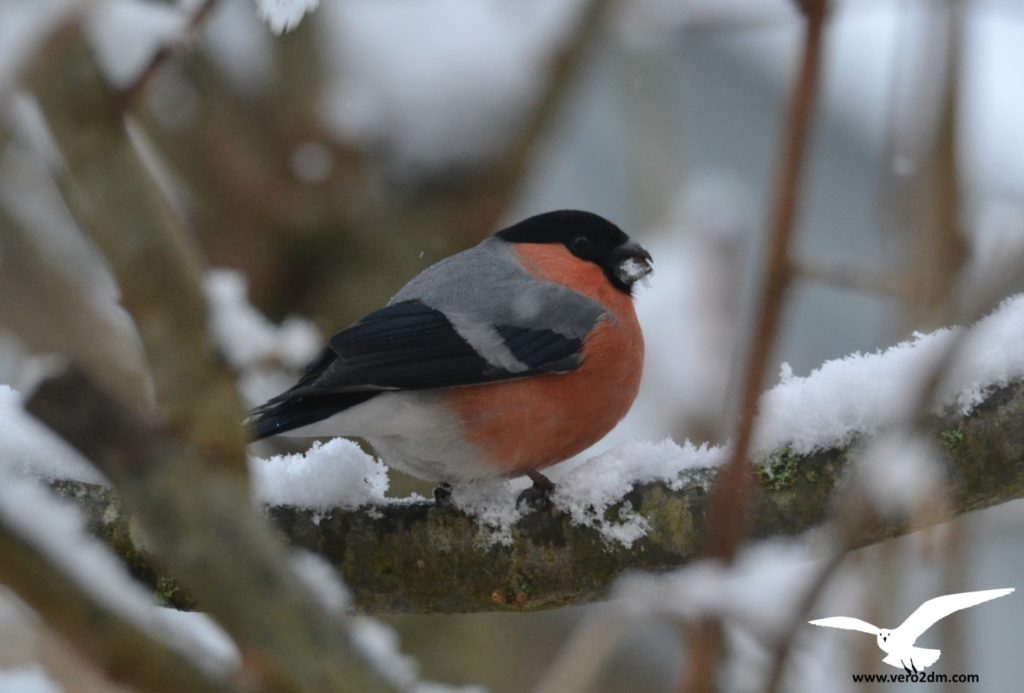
(405, 346)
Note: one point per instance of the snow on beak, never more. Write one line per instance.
(632, 263)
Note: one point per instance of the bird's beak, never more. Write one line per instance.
(631, 263)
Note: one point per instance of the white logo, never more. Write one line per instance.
(898, 643)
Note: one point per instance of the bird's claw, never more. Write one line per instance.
(538, 496)
(443, 494)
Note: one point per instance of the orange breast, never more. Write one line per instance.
(540, 420)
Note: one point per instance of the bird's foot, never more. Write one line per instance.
(538, 496)
(443, 494)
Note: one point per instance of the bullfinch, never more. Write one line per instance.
(503, 359)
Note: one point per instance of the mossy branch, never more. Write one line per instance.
(423, 558)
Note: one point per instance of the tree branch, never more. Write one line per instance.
(127, 653)
(201, 526)
(114, 200)
(423, 558)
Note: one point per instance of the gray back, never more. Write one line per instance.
(487, 284)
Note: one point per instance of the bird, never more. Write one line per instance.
(898, 643)
(498, 361)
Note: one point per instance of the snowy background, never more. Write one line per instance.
(320, 168)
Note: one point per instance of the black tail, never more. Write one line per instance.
(287, 412)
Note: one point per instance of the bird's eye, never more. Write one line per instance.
(581, 245)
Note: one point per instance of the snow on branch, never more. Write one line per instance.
(173, 495)
(418, 556)
(81, 588)
(842, 402)
(285, 15)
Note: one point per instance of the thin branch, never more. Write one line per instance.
(917, 421)
(589, 645)
(728, 520)
(728, 512)
(780, 653)
(502, 182)
(939, 248)
(131, 93)
(999, 281)
(420, 557)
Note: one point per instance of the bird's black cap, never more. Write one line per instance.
(586, 235)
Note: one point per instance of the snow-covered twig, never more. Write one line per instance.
(132, 91)
(71, 583)
(285, 15)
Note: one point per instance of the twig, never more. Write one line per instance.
(130, 94)
(999, 280)
(727, 520)
(929, 198)
(728, 511)
(706, 643)
(588, 645)
(783, 645)
(501, 183)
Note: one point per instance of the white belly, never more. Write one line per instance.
(412, 432)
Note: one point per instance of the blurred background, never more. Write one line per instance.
(330, 163)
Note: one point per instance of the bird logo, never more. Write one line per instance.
(898, 643)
